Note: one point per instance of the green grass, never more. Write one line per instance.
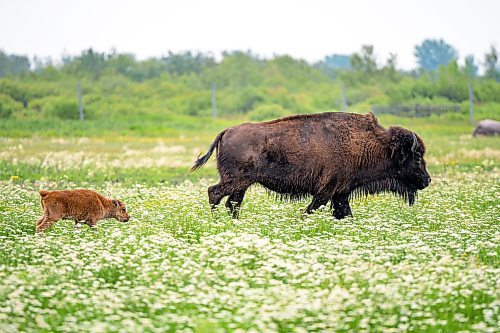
(22, 173)
(176, 266)
(166, 125)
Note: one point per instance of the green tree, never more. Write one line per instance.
(11, 64)
(390, 69)
(187, 62)
(470, 67)
(92, 61)
(490, 62)
(88, 62)
(364, 61)
(432, 53)
(337, 61)
(333, 64)
(8, 106)
(451, 83)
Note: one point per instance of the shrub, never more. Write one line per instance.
(483, 110)
(486, 91)
(24, 92)
(267, 112)
(62, 107)
(8, 105)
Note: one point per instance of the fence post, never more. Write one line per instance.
(344, 103)
(471, 103)
(107, 107)
(214, 102)
(80, 105)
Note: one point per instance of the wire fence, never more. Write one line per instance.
(416, 110)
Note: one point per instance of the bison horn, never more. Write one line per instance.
(415, 143)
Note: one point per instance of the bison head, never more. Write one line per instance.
(119, 212)
(407, 153)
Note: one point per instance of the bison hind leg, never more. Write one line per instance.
(215, 195)
(233, 203)
(49, 218)
(235, 189)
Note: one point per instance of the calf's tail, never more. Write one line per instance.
(202, 160)
(43, 193)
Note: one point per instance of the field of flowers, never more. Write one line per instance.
(175, 267)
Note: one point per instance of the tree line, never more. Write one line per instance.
(180, 83)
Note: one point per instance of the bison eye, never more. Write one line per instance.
(124, 210)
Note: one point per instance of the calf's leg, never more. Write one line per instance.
(78, 224)
(46, 223)
(50, 216)
(92, 223)
(39, 220)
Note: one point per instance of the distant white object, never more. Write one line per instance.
(487, 127)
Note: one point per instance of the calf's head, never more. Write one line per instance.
(407, 153)
(119, 211)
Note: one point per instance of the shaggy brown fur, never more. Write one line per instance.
(330, 156)
(78, 205)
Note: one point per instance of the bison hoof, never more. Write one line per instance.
(342, 215)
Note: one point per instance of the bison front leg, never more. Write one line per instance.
(45, 223)
(318, 201)
(78, 224)
(340, 206)
(92, 223)
(40, 220)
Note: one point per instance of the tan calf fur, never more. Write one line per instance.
(85, 206)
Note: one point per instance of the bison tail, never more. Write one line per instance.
(43, 193)
(202, 160)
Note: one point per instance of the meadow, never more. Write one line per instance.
(176, 267)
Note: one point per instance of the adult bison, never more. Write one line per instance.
(331, 156)
(487, 127)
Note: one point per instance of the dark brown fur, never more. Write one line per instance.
(330, 156)
(78, 205)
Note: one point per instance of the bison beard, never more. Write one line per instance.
(330, 156)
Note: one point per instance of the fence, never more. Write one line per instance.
(416, 110)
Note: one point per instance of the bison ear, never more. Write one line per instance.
(403, 144)
(116, 203)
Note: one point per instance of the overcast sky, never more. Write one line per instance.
(307, 29)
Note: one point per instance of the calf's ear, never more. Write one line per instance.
(403, 144)
(116, 203)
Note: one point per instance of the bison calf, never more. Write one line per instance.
(78, 205)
